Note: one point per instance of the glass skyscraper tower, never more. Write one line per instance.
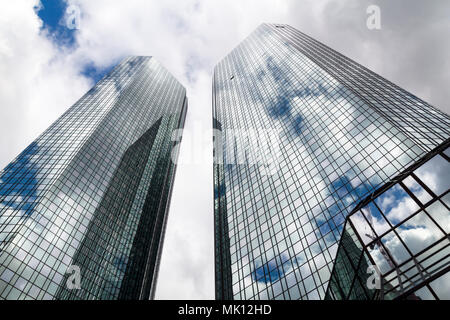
(91, 194)
(343, 132)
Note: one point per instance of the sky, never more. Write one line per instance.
(48, 60)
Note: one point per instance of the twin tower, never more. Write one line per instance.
(326, 176)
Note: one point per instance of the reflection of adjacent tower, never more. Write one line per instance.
(344, 132)
(101, 178)
(129, 245)
(346, 266)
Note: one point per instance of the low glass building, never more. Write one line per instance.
(395, 243)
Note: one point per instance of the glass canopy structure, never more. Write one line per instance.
(402, 230)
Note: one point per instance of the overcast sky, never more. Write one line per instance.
(46, 67)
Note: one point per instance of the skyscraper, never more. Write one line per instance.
(343, 132)
(91, 194)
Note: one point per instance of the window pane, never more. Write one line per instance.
(441, 286)
(440, 214)
(419, 232)
(396, 204)
(417, 189)
(435, 174)
(422, 294)
(395, 248)
(362, 227)
(375, 218)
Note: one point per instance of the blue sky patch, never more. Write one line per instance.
(19, 179)
(52, 14)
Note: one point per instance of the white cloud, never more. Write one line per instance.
(402, 210)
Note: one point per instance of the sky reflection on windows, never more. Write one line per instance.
(336, 148)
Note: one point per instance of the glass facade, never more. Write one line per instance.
(402, 229)
(343, 130)
(93, 192)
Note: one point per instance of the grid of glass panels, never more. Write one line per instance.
(403, 229)
(422, 123)
(81, 194)
(276, 235)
